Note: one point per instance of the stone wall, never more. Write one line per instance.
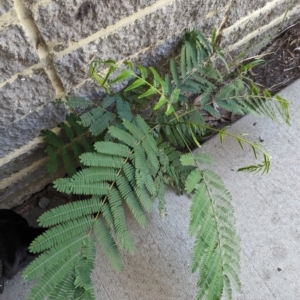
(46, 46)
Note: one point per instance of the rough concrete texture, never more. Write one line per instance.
(256, 43)
(89, 90)
(72, 67)
(29, 127)
(62, 22)
(20, 191)
(257, 20)
(159, 56)
(243, 8)
(267, 211)
(23, 161)
(5, 6)
(78, 61)
(24, 95)
(16, 51)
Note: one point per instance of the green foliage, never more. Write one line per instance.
(116, 159)
(66, 147)
(216, 250)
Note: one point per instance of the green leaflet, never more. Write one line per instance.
(94, 174)
(115, 203)
(112, 149)
(123, 136)
(69, 211)
(84, 267)
(65, 185)
(143, 70)
(55, 254)
(61, 233)
(78, 102)
(64, 289)
(162, 100)
(174, 72)
(137, 83)
(151, 91)
(53, 162)
(100, 124)
(108, 245)
(93, 159)
(131, 199)
(190, 159)
(124, 110)
(57, 273)
(124, 75)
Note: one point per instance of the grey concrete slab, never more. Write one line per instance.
(267, 210)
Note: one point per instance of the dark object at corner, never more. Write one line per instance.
(15, 238)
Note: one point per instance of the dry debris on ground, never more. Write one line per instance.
(282, 61)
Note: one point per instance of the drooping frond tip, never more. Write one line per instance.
(216, 248)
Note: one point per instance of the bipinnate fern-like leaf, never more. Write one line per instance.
(76, 102)
(115, 159)
(122, 171)
(64, 289)
(61, 233)
(67, 153)
(73, 271)
(237, 97)
(55, 255)
(263, 104)
(199, 157)
(97, 120)
(84, 268)
(50, 279)
(216, 248)
(108, 244)
(70, 211)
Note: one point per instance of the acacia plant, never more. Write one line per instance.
(115, 158)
